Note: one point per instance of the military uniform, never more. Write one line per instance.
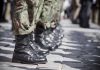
(48, 15)
(28, 12)
(26, 16)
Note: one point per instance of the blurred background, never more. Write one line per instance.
(80, 48)
(74, 10)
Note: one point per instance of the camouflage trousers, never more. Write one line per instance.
(27, 13)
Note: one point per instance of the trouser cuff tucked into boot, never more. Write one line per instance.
(24, 52)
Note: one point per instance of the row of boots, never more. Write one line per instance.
(33, 48)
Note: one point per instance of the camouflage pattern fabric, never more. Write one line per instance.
(27, 13)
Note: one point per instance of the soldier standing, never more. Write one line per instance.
(85, 12)
(3, 10)
(35, 18)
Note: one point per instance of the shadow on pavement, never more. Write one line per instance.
(85, 56)
(6, 45)
(5, 59)
(26, 68)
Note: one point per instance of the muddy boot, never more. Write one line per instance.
(24, 53)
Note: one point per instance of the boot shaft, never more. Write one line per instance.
(23, 39)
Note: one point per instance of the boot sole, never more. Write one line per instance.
(24, 62)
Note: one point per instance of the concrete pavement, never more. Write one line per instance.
(80, 50)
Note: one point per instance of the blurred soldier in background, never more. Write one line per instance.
(94, 10)
(3, 7)
(98, 6)
(85, 12)
(75, 11)
(36, 28)
(71, 10)
(67, 8)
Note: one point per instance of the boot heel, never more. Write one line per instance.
(16, 61)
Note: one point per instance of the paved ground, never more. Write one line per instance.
(80, 50)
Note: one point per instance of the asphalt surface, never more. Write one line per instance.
(80, 49)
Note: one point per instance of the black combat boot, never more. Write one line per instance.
(36, 47)
(24, 53)
(56, 36)
(49, 38)
(39, 37)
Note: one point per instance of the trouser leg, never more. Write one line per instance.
(85, 15)
(25, 51)
(1, 9)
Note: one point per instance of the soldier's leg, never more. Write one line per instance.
(76, 13)
(24, 51)
(1, 9)
(85, 14)
(4, 12)
(50, 16)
